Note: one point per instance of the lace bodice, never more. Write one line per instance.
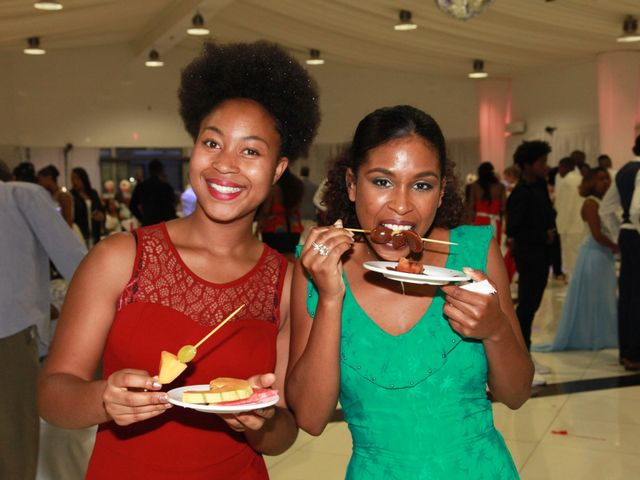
(161, 277)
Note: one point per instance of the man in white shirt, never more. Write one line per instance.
(31, 232)
(624, 194)
(568, 203)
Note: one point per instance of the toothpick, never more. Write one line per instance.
(219, 325)
(359, 230)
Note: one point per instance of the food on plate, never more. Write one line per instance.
(409, 266)
(220, 390)
(259, 395)
(170, 367)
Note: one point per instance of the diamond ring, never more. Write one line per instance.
(321, 248)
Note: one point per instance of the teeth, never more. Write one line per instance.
(396, 228)
(223, 189)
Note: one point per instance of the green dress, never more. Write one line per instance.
(416, 403)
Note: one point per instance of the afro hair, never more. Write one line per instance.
(260, 71)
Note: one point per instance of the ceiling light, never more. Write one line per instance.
(154, 59)
(50, 5)
(197, 27)
(630, 30)
(478, 70)
(405, 22)
(462, 9)
(314, 57)
(34, 47)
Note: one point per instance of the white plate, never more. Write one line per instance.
(430, 275)
(175, 397)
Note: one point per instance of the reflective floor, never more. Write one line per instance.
(583, 425)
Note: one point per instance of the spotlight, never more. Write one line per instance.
(34, 47)
(478, 70)
(50, 5)
(405, 22)
(197, 27)
(154, 59)
(314, 57)
(629, 30)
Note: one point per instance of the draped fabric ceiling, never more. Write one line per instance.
(513, 37)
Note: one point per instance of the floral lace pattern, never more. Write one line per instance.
(160, 277)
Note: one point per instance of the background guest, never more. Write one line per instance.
(531, 230)
(25, 172)
(487, 200)
(153, 200)
(31, 233)
(48, 178)
(589, 314)
(279, 216)
(625, 194)
(88, 210)
(568, 203)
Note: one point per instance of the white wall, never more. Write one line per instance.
(565, 98)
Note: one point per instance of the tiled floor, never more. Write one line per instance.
(590, 435)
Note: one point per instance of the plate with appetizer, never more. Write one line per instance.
(223, 395)
(410, 271)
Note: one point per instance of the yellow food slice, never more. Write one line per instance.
(229, 383)
(221, 390)
(170, 367)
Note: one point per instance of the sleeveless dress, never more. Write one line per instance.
(589, 319)
(488, 213)
(164, 307)
(416, 403)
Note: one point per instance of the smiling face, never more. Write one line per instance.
(400, 186)
(235, 160)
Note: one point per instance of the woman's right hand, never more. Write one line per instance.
(131, 396)
(321, 257)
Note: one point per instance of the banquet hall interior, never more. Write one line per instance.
(100, 93)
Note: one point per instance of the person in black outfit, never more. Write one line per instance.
(531, 230)
(153, 200)
(624, 195)
(88, 210)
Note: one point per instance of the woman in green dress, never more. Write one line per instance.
(409, 363)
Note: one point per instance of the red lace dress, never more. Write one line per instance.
(164, 307)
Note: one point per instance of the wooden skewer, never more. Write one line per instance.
(219, 325)
(355, 230)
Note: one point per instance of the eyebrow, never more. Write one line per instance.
(248, 137)
(426, 173)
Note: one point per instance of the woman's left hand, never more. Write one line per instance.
(255, 419)
(475, 315)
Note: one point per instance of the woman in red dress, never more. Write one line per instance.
(167, 285)
(487, 198)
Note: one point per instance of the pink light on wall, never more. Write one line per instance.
(494, 108)
(618, 103)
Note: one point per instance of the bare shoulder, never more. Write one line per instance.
(111, 259)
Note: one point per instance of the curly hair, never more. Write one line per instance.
(528, 152)
(260, 71)
(374, 130)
